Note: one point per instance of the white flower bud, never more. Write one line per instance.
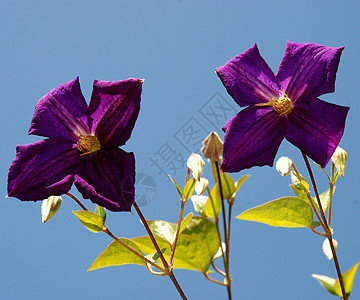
(327, 249)
(196, 164)
(49, 207)
(212, 147)
(200, 186)
(339, 158)
(284, 165)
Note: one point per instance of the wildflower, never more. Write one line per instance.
(281, 106)
(82, 145)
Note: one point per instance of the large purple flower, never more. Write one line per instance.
(82, 146)
(282, 105)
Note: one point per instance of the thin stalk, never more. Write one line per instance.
(331, 184)
(328, 232)
(337, 265)
(163, 260)
(173, 245)
(213, 280)
(217, 269)
(327, 228)
(108, 232)
(226, 234)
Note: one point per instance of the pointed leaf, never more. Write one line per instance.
(189, 188)
(327, 282)
(199, 203)
(163, 229)
(348, 278)
(116, 254)
(284, 212)
(177, 186)
(186, 221)
(228, 185)
(155, 256)
(240, 182)
(101, 211)
(90, 220)
(299, 184)
(196, 246)
(324, 199)
(213, 204)
(299, 192)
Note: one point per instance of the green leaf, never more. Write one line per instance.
(101, 211)
(177, 186)
(228, 185)
(213, 204)
(240, 182)
(196, 246)
(284, 212)
(163, 229)
(199, 203)
(299, 184)
(90, 220)
(155, 256)
(116, 254)
(315, 224)
(299, 192)
(186, 221)
(204, 229)
(348, 278)
(324, 199)
(189, 188)
(327, 282)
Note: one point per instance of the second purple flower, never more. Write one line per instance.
(284, 105)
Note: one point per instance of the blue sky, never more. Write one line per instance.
(175, 46)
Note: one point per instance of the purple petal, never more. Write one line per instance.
(316, 127)
(42, 169)
(252, 138)
(248, 79)
(308, 70)
(61, 113)
(107, 178)
(113, 110)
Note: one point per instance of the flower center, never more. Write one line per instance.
(282, 105)
(88, 144)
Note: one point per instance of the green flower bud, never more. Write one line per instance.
(49, 207)
(339, 158)
(212, 147)
(196, 164)
(284, 165)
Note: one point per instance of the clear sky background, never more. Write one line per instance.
(175, 46)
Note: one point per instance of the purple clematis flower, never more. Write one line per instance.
(82, 146)
(284, 105)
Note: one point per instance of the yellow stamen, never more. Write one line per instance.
(282, 105)
(88, 144)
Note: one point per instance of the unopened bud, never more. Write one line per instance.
(284, 165)
(212, 147)
(327, 248)
(49, 207)
(339, 158)
(200, 186)
(196, 164)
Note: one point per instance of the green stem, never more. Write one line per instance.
(107, 231)
(328, 230)
(173, 245)
(163, 260)
(226, 234)
(332, 185)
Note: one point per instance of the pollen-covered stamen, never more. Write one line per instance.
(88, 144)
(282, 105)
